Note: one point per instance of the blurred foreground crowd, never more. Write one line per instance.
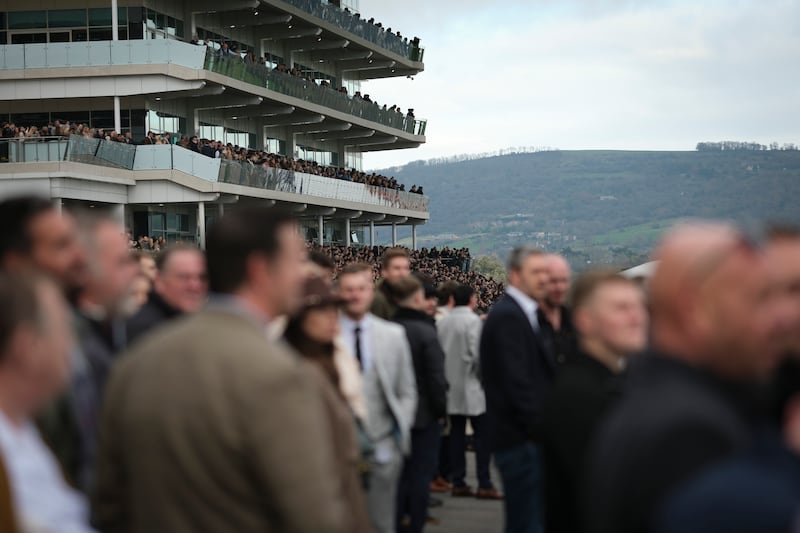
(263, 386)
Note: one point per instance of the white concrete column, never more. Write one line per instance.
(372, 233)
(114, 21)
(201, 223)
(58, 204)
(321, 230)
(394, 233)
(117, 115)
(119, 214)
(413, 236)
(347, 232)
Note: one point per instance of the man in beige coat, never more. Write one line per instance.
(208, 426)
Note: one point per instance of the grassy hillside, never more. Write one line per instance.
(601, 206)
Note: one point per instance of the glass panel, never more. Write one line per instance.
(122, 15)
(100, 16)
(3, 37)
(76, 117)
(172, 223)
(79, 35)
(157, 222)
(66, 18)
(2, 21)
(21, 20)
(59, 37)
(102, 119)
(180, 30)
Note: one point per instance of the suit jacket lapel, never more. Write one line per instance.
(536, 335)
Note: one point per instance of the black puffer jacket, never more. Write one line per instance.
(428, 365)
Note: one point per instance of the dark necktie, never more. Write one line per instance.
(358, 348)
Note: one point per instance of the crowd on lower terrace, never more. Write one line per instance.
(439, 264)
(209, 148)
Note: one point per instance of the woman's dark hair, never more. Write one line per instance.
(318, 353)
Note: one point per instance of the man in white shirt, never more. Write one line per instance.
(35, 342)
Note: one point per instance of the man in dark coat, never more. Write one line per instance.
(517, 375)
(688, 404)
(414, 490)
(611, 318)
(180, 287)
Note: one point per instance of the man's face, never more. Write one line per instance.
(397, 269)
(44, 359)
(147, 266)
(533, 278)
(287, 271)
(558, 287)
(431, 304)
(56, 249)
(182, 282)
(112, 268)
(616, 317)
(743, 316)
(783, 257)
(357, 290)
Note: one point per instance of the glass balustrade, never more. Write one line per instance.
(32, 150)
(167, 157)
(360, 27)
(101, 53)
(309, 91)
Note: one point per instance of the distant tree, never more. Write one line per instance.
(490, 266)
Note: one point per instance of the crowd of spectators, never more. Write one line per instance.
(209, 148)
(440, 264)
(231, 52)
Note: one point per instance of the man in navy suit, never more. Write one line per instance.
(517, 374)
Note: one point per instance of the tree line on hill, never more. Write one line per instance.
(722, 146)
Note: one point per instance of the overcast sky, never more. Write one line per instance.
(583, 74)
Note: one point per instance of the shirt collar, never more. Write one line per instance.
(528, 304)
(351, 324)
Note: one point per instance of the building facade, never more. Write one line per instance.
(279, 76)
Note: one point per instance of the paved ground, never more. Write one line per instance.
(468, 515)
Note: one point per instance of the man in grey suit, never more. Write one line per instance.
(390, 389)
(460, 335)
(207, 425)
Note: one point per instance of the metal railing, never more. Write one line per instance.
(171, 157)
(309, 91)
(360, 27)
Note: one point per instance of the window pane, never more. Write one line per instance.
(28, 38)
(67, 18)
(2, 21)
(59, 36)
(79, 35)
(100, 16)
(22, 20)
(102, 119)
(30, 119)
(100, 34)
(122, 14)
(180, 29)
(77, 117)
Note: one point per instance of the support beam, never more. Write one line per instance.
(201, 224)
(337, 54)
(289, 32)
(321, 127)
(114, 21)
(225, 102)
(306, 44)
(294, 118)
(350, 133)
(414, 237)
(321, 230)
(272, 110)
(374, 140)
(364, 64)
(347, 232)
(58, 204)
(118, 214)
(214, 6)
(372, 233)
(394, 233)
(117, 115)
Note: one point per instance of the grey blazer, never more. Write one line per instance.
(394, 370)
(460, 335)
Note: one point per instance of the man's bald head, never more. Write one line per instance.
(560, 276)
(711, 301)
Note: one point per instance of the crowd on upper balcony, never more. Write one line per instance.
(209, 148)
(227, 51)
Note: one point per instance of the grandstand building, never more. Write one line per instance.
(263, 74)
